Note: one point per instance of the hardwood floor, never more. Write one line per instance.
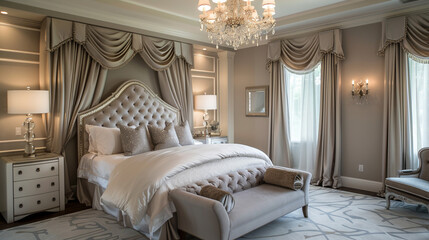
(75, 206)
(71, 207)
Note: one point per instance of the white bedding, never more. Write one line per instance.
(97, 168)
(139, 186)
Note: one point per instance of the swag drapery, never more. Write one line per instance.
(300, 55)
(402, 37)
(75, 58)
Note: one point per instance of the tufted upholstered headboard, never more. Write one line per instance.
(132, 104)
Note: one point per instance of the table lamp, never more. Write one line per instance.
(205, 102)
(28, 102)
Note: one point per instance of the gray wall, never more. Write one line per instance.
(362, 124)
(17, 75)
(136, 69)
(250, 70)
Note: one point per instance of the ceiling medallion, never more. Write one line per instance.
(236, 22)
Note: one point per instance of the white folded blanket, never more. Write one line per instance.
(139, 185)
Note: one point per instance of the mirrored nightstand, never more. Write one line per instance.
(212, 140)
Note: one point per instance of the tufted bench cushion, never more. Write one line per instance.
(232, 182)
(256, 204)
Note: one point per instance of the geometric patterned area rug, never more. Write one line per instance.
(333, 214)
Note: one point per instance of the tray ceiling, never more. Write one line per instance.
(178, 19)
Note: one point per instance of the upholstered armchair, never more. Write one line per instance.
(411, 185)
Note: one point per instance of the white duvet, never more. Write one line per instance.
(139, 186)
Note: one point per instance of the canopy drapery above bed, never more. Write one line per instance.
(112, 48)
(74, 60)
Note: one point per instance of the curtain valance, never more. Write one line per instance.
(112, 48)
(304, 53)
(411, 32)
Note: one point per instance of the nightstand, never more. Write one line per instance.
(213, 140)
(31, 184)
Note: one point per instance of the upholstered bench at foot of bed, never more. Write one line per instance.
(254, 207)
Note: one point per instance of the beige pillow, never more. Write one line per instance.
(103, 140)
(284, 177)
(163, 137)
(184, 134)
(217, 194)
(134, 140)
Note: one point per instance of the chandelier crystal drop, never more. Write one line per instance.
(236, 22)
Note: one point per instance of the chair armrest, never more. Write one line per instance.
(202, 217)
(408, 172)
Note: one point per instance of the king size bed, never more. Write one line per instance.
(135, 188)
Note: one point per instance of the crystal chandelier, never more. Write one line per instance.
(236, 22)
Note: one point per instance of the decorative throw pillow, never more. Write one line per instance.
(103, 140)
(184, 134)
(163, 137)
(284, 177)
(134, 140)
(217, 194)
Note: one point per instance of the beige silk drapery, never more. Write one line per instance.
(75, 58)
(400, 36)
(303, 54)
(176, 87)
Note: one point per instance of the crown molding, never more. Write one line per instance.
(156, 11)
(303, 29)
(136, 16)
(353, 20)
(326, 11)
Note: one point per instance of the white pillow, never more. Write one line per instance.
(103, 140)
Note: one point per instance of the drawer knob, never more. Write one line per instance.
(38, 186)
(54, 199)
(20, 189)
(19, 172)
(52, 168)
(37, 169)
(21, 206)
(52, 183)
(39, 202)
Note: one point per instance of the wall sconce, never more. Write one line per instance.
(360, 90)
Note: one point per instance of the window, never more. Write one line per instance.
(303, 101)
(419, 109)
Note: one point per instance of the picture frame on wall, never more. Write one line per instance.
(257, 101)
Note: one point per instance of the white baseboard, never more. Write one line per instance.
(361, 184)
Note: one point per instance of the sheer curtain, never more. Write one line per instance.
(419, 114)
(303, 99)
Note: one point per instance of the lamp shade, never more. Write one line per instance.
(268, 4)
(27, 101)
(205, 102)
(204, 5)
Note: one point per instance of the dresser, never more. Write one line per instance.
(31, 184)
(212, 140)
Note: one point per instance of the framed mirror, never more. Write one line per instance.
(257, 101)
